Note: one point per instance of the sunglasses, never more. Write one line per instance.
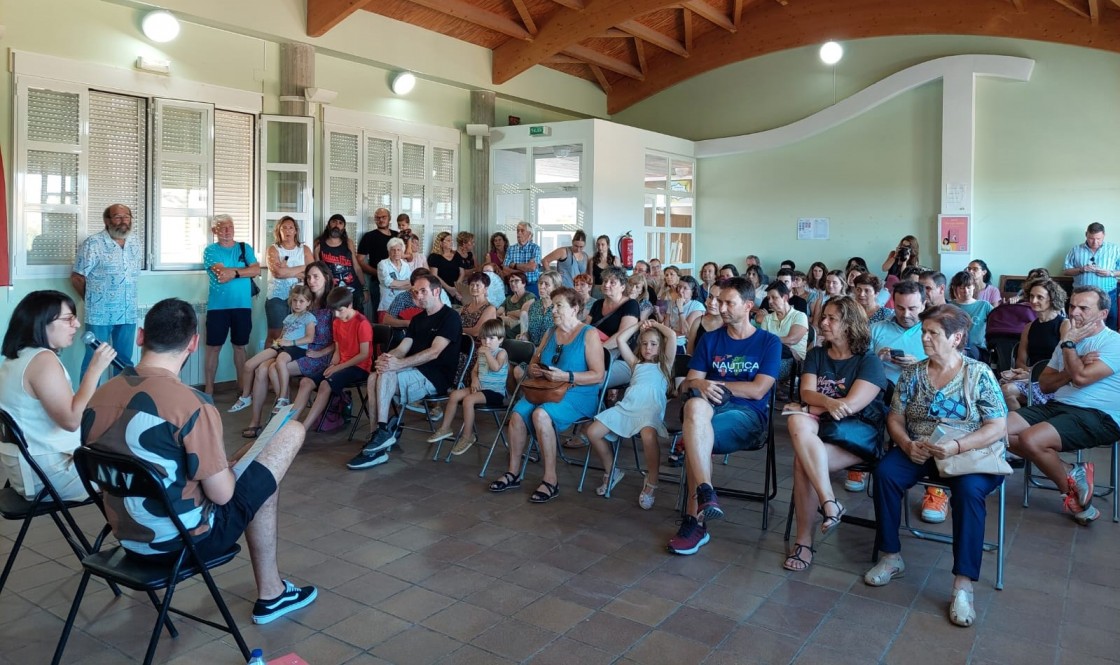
(556, 355)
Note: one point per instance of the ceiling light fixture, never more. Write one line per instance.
(831, 52)
(160, 26)
(403, 83)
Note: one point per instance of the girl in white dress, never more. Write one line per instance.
(642, 409)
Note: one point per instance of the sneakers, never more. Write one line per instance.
(1080, 479)
(464, 444)
(935, 505)
(856, 482)
(1081, 514)
(292, 599)
(364, 460)
(383, 438)
(690, 537)
(241, 403)
(707, 506)
(280, 404)
(436, 414)
(608, 485)
(441, 434)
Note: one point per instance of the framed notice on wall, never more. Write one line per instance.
(953, 234)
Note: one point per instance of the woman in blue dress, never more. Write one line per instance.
(570, 352)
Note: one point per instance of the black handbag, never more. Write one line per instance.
(254, 290)
(860, 434)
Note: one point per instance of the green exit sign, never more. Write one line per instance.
(540, 130)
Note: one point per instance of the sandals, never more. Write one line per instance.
(645, 499)
(241, 403)
(280, 404)
(794, 561)
(550, 493)
(961, 611)
(251, 432)
(508, 481)
(830, 522)
(609, 483)
(884, 571)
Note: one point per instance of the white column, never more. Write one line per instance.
(958, 155)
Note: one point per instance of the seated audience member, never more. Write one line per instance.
(656, 278)
(486, 387)
(413, 252)
(929, 394)
(728, 271)
(754, 276)
(496, 291)
(518, 301)
(1083, 412)
(683, 310)
(841, 423)
(35, 391)
(150, 414)
(572, 352)
(788, 324)
(834, 285)
(730, 376)
(753, 260)
(296, 332)
(423, 364)
(962, 287)
(351, 361)
(855, 262)
(1032, 274)
(668, 291)
(933, 283)
(815, 279)
(797, 300)
(614, 313)
(537, 317)
(583, 286)
(865, 289)
(635, 290)
(710, 320)
(404, 306)
(982, 281)
(1037, 342)
(479, 310)
(800, 289)
(708, 276)
(787, 264)
(641, 411)
(392, 275)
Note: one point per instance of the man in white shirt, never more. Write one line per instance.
(1085, 411)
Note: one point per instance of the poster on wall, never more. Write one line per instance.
(812, 228)
(952, 233)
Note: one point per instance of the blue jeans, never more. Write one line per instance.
(121, 337)
(967, 501)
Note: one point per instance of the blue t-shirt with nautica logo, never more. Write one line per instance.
(722, 358)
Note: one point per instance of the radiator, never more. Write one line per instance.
(193, 372)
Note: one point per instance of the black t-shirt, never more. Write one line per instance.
(345, 270)
(466, 262)
(447, 269)
(423, 329)
(611, 323)
(374, 245)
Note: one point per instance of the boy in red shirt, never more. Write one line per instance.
(352, 359)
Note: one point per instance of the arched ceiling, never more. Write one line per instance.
(636, 48)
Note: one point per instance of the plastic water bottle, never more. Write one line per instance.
(256, 658)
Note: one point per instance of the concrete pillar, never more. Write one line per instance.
(482, 113)
(297, 71)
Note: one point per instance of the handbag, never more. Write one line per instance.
(989, 460)
(539, 390)
(254, 290)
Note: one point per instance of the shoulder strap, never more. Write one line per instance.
(243, 259)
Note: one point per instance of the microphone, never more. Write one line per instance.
(120, 363)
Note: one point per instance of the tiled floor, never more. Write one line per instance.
(417, 563)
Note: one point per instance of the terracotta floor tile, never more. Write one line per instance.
(514, 639)
(462, 621)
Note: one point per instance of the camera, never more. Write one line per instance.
(904, 253)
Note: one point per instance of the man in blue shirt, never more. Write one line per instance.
(1096, 263)
(105, 275)
(525, 255)
(230, 267)
(729, 377)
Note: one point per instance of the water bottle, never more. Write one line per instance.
(256, 658)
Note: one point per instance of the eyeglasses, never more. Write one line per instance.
(68, 319)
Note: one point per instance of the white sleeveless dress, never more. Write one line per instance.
(642, 406)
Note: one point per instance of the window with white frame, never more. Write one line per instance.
(371, 163)
(541, 184)
(80, 148)
(669, 210)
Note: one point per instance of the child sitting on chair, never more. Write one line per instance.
(488, 386)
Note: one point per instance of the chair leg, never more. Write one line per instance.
(86, 548)
(999, 536)
(615, 448)
(171, 630)
(789, 518)
(224, 609)
(66, 628)
(501, 435)
(365, 409)
(150, 655)
(15, 550)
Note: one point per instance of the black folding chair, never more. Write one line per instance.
(14, 506)
(519, 352)
(123, 476)
(466, 359)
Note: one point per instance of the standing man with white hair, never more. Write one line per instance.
(105, 275)
(525, 255)
(230, 266)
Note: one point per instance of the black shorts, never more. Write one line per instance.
(1079, 428)
(253, 488)
(294, 352)
(236, 323)
(343, 379)
(494, 399)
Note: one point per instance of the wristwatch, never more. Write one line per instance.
(237, 273)
(571, 378)
(1068, 345)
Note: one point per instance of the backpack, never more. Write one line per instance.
(1010, 319)
(338, 411)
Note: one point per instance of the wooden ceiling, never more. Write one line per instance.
(636, 48)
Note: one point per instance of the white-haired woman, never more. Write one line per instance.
(393, 274)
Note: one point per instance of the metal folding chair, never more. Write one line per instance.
(519, 352)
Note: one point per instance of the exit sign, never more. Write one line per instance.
(540, 130)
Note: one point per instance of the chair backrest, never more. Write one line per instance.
(606, 380)
(10, 432)
(466, 354)
(518, 350)
(680, 365)
(382, 338)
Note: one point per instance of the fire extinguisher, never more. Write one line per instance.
(626, 251)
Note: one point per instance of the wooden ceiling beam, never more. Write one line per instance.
(737, 13)
(526, 17)
(655, 37)
(593, 57)
(615, 33)
(687, 17)
(566, 27)
(577, 5)
(710, 14)
(601, 78)
(640, 50)
(563, 60)
(322, 15)
(1068, 4)
(480, 17)
(1095, 11)
(1018, 5)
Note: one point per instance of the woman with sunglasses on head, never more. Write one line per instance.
(35, 391)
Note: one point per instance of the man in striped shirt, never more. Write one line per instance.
(525, 256)
(1096, 263)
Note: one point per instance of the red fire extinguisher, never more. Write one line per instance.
(626, 251)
